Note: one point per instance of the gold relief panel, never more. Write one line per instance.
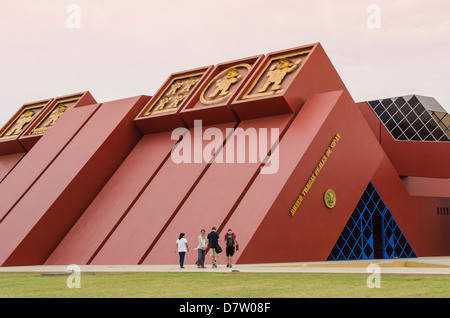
(174, 94)
(21, 121)
(52, 115)
(275, 73)
(223, 84)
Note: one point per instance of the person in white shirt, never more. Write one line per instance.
(182, 247)
(201, 249)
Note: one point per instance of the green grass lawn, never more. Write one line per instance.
(212, 285)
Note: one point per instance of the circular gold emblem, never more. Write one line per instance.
(330, 198)
(222, 84)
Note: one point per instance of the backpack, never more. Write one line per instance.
(230, 239)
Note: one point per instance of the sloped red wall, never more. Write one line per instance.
(265, 229)
(44, 214)
(153, 210)
(113, 201)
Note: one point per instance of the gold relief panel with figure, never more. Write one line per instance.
(272, 77)
(174, 94)
(53, 115)
(222, 85)
(21, 121)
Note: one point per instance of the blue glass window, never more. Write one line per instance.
(371, 232)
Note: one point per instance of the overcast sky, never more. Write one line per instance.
(129, 48)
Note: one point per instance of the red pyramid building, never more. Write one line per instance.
(283, 156)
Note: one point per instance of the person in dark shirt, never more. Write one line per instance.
(213, 241)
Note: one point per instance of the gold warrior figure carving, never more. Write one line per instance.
(176, 101)
(163, 101)
(56, 114)
(276, 76)
(191, 82)
(223, 85)
(21, 122)
(174, 87)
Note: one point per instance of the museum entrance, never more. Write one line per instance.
(377, 236)
(371, 232)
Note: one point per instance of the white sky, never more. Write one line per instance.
(129, 48)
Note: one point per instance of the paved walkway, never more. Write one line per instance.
(416, 266)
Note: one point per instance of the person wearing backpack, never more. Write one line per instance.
(231, 243)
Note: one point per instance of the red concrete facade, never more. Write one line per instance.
(103, 185)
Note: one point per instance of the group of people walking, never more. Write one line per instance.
(210, 241)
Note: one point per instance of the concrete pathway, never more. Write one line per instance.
(416, 266)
